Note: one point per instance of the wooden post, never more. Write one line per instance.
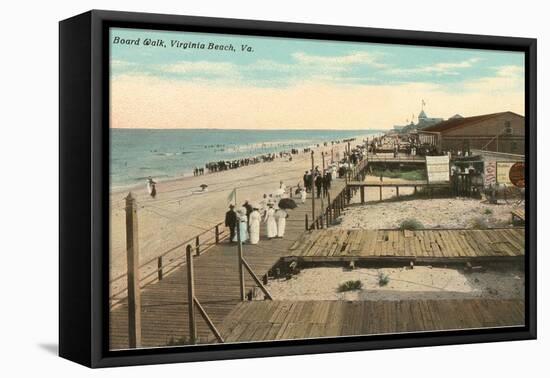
(132, 261)
(159, 266)
(327, 216)
(197, 246)
(380, 192)
(397, 190)
(329, 207)
(240, 258)
(323, 185)
(362, 194)
(191, 296)
(307, 225)
(312, 188)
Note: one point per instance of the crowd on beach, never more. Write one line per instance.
(224, 165)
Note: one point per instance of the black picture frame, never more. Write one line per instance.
(84, 188)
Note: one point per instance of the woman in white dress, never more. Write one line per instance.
(255, 225)
(243, 226)
(269, 219)
(280, 217)
(303, 195)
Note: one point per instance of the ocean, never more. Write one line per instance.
(167, 154)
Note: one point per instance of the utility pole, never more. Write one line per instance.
(312, 189)
(323, 185)
(132, 261)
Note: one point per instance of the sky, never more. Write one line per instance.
(167, 79)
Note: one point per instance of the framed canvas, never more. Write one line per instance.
(234, 188)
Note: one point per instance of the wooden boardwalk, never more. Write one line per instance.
(164, 303)
(449, 244)
(282, 320)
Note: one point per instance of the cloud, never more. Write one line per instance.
(270, 72)
(342, 62)
(510, 78)
(444, 68)
(117, 63)
(201, 68)
(510, 71)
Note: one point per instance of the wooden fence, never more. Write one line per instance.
(158, 267)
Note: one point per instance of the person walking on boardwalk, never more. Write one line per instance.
(269, 220)
(306, 181)
(254, 225)
(243, 226)
(303, 195)
(319, 184)
(328, 177)
(280, 217)
(231, 222)
(248, 208)
(325, 184)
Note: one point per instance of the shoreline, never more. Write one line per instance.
(186, 175)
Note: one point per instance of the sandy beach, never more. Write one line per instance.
(422, 282)
(432, 213)
(177, 214)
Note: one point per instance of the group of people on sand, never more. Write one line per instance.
(250, 216)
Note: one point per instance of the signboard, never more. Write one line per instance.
(517, 175)
(503, 172)
(490, 174)
(437, 168)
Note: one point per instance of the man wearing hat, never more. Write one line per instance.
(231, 222)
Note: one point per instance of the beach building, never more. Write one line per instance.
(423, 122)
(499, 132)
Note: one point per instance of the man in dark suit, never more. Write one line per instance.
(248, 208)
(319, 184)
(231, 222)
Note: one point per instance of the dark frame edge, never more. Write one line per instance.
(75, 275)
(531, 113)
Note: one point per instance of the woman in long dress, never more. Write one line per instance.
(243, 226)
(255, 226)
(303, 195)
(280, 217)
(271, 224)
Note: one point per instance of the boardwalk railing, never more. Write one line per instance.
(398, 158)
(335, 207)
(244, 264)
(193, 302)
(168, 261)
(193, 247)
